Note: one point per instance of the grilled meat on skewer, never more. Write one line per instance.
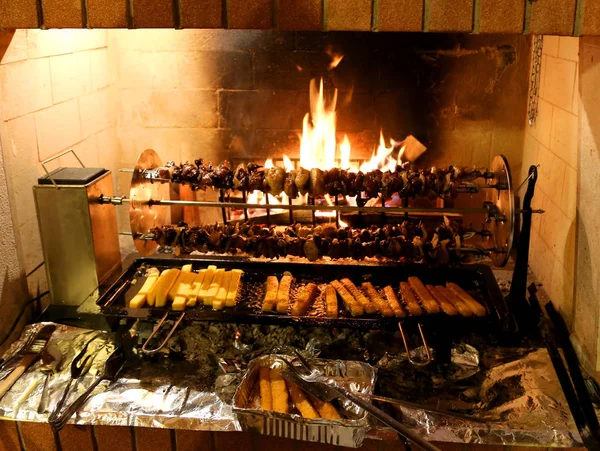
(405, 181)
(275, 179)
(408, 242)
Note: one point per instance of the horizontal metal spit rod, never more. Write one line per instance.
(341, 208)
(461, 188)
(474, 250)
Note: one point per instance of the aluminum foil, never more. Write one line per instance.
(145, 394)
(516, 391)
(349, 432)
(514, 394)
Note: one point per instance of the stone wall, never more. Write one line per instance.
(552, 143)
(586, 334)
(243, 94)
(56, 95)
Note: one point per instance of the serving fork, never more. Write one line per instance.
(112, 366)
(79, 366)
(326, 389)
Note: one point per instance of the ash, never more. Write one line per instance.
(496, 383)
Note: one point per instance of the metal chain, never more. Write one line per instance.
(534, 83)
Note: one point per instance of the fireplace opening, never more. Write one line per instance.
(315, 100)
(358, 101)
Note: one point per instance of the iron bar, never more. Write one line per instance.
(337, 213)
(245, 209)
(359, 203)
(312, 207)
(268, 209)
(222, 199)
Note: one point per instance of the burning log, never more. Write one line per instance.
(413, 149)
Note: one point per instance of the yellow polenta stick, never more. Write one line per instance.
(331, 302)
(183, 290)
(427, 300)
(140, 298)
(271, 294)
(264, 384)
(409, 299)
(325, 409)
(279, 392)
(304, 300)
(174, 290)
(350, 303)
(302, 403)
(367, 306)
(151, 295)
(445, 304)
(475, 306)
(393, 301)
(195, 288)
(221, 297)
(164, 284)
(211, 294)
(383, 307)
(283, 293)
(457, 302)
(208, 277)
(186, 268)
(234, 284)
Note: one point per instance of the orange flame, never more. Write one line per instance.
(319, 147)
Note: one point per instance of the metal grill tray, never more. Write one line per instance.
(478, 280)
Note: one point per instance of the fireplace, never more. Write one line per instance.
(354, 85)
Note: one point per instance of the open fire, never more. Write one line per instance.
(320, 148)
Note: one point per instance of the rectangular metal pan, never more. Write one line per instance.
(348, 432)
(476, 279)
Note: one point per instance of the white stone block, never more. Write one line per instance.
(58, 127)
(25, 87)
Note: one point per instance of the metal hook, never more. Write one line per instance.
(58, 156)
(156, 329)
(427, 353)
(531, 174)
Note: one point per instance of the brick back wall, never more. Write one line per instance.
(57, 94)
(563, 17)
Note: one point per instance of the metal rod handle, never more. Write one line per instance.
(48, 160)
(386, 419)
(60, 422)
(428, 357)
(156, 329)
(342, 208)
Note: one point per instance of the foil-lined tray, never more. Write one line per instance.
(349, 431)
(145, 394)
(191, 385)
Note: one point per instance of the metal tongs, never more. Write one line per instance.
(79, 366)
(327, 389)
(112, 366)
